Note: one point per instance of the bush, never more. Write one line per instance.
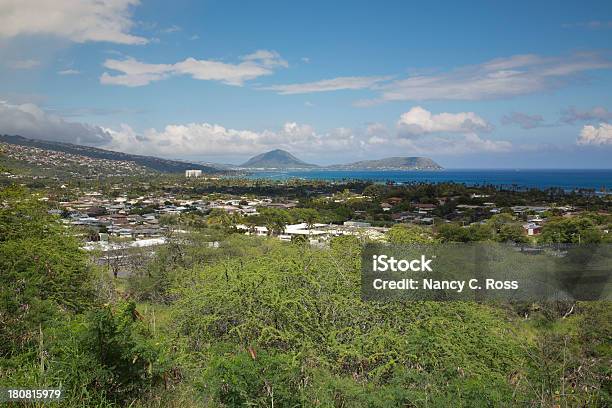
(300, 307)
(253, 379)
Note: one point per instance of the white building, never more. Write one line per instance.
(193, 173)
(318, 232)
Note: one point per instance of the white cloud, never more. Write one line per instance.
(76, 20)
(218, 71)
(24, 64)
(266, 58)
(495, 79)
(418, 121)
(445, 133)
(327, 85)
(28, 120)
(593, 135)
(69, 72)
(136, 73)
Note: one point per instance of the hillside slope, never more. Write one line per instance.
(149, 162)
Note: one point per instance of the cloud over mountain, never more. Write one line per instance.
(29, 120)
(445, 133)
(213, 139)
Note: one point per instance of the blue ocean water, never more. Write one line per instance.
(566, 179)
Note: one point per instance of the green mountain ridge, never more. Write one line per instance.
(150, 162)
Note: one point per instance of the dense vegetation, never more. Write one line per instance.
(61, 323)
(259, 322)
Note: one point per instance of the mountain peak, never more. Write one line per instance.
(276, 159)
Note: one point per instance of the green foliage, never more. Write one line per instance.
(374, 190)
(53, 329)
(500, 228)
(409, 234)
(571, 230)
(275, 219)
(258, 379)
(105, 356)
(511, 233)
(302, 306)
(570, 358)
(456, 233)
(257, 322)
(44, 273)
(125, 350)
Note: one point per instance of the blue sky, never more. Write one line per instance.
(469, 84)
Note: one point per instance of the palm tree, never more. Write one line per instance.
(310, 217)
(279, 225)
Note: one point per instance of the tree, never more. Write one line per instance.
(511, 232)
(54, 328)
(44, 272)
(374, 190)
(275, 220)
(499, 220)
(570, 230)
(308, 215)
(409, 234)
(453, 233)
(222, 218)
(480, 232)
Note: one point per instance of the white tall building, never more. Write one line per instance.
(193, 173)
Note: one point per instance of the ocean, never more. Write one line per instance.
(566, 179)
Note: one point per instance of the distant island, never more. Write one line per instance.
(391, 163)
(281, 159)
